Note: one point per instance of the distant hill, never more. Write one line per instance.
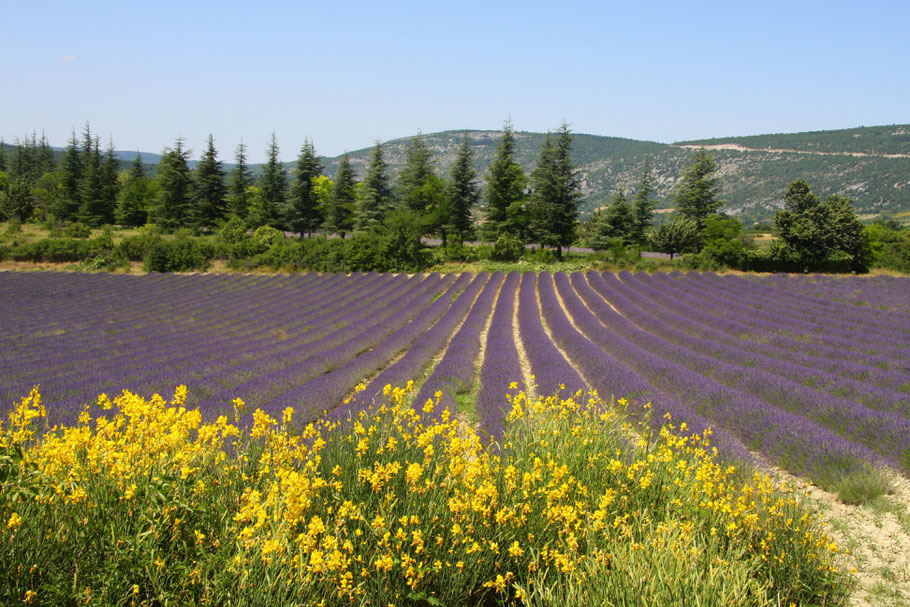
(869, 164)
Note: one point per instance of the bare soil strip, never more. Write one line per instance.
(740, 148)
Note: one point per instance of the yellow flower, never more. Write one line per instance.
(14, 521)
(515, 550)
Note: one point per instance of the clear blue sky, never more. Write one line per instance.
(348, 73)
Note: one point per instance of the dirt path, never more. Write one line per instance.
(740, 148)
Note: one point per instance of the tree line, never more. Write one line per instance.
(88, 186)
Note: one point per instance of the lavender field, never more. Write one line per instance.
(810, 373)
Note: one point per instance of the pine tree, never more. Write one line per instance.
(340, 215)
(239, 182)
(698, 192)
(643, 206)
(3, 160)
(93, 209)
(273, 183)
(616, 224)
(553, 207)
(46, 162)
(172, 205)
(463, 192)
(134, 197)
(110, 184)
(376, 197)
(71, 169)
(304, 214)
(505, 192)
(209, 199)
(412, 180)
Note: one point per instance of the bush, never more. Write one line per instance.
(148, 502)
(135, 248)
(181, 255)
(76, 230)
(508, 248)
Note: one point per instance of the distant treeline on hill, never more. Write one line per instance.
(503, 204)
(755, 180)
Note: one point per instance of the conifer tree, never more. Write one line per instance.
(304, 214)
(505, 192)
(134, 197)
(273, 184)
(110, 185)
(3, 160)
(71, 169)
(616, 224)
(172, 204)
(463, 192)
(642, 205)
(340, 215)
(376, 198)
(553, 207)
(239, 182)
(411, 183)
(209, 197)
(698, 193)
(93, 209)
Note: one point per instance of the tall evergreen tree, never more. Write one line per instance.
(698, 193)
(617, 223)
(46, 161)
(273, 183)
(3, 159)
(71, 168)
(134, 197)
(209, 192)
(643, 205)
(463, 192)
(304, 214)
(417, 172)
(376, 198)
(172, 204)
(553, 207)
(110, 184)
(239, 182)
(340, 215)
(93, 209)
(505, 192)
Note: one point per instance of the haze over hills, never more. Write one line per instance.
(871, 165)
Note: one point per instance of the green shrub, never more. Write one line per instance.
(508, 248)
(180, 255)
(76, 230)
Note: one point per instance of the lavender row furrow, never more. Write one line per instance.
(767, 327)
(789, 440)
(501, 364)
(549, 367)
(455, 372)
(679, 330)
(327, 391)
(883, 431)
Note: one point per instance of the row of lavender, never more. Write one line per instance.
(811, 381)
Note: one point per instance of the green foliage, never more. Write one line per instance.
(304, 213)
(172, 205)
(821, 232)
(676, 236)
(17, 201)
(239, 181)
(135, 248)
(340, 214)
(722, 244)
(266, 236)
(553, 207)
(375, 198)
(889, 244)
(508, 247)
(463, 192)
(136, 195)
(642, 205)
(697, 195)
(76, 230)
(209, 194)
(272, 189)
(233, 231)
(616, 223)
(505, 191)
(179, 255)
